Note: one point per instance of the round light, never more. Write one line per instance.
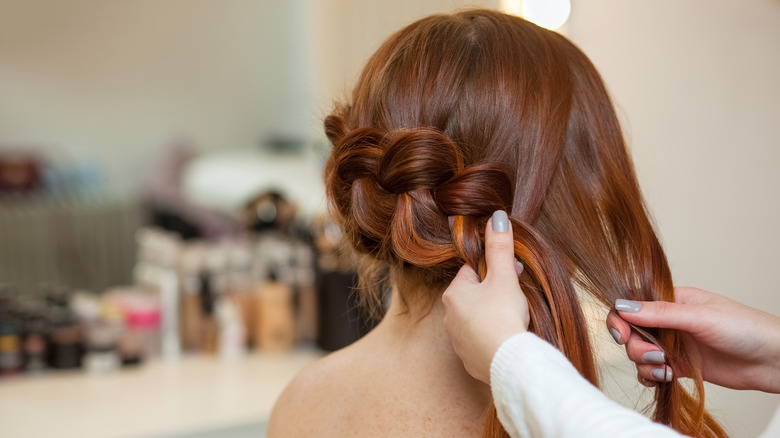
(551, 14)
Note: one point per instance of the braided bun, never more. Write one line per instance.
(406, 195)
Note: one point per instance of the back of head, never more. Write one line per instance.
(456, 116)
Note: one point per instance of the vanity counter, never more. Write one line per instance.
(184, 398)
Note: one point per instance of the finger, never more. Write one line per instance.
(641, 352)
(499, 247)
(662, 314)
(466, 277)
(619, 329)
(466, 274)
(691, 295)
(656, 373)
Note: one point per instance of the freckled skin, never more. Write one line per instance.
(402, 379)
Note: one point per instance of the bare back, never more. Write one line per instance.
(402, 379)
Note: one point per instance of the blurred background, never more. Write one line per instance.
(165, 267)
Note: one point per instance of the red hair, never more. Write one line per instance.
(456, 116)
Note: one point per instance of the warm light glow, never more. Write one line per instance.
(551, 14)
(514, 7)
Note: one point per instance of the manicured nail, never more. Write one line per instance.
(662, 374)
(615, 335)
(627, 306)
(518, 267)
(654, 357)
(500, 221)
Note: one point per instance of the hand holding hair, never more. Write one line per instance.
(736, 346)
(481, 315)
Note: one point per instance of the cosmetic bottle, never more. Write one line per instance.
(10, 346)
(30, 312)
(190, 308)
(232, 335)
(240, 285)
(101, 345)
(209, 330)
(34, 345)
(276, 321)
(168, 285)
(306, 292)
(155, 272)
(142, 321)
(66, 346)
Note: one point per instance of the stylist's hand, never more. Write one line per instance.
(737, 346)
(481, 315)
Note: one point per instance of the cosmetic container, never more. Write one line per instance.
(232, 335)
(101, 345)
(35, 346)
(66, 346)
(10, 346)
(276, 321)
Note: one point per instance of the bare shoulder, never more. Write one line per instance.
(314, 401)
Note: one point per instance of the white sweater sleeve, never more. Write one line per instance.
(539, 393)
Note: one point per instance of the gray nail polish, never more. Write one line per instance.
(627, 306)
(654, 357)
(615, 335)
(500, 221)
(662, 375)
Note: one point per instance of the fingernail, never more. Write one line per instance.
(518, 267)
(654, 357)
(615, 335)
(500, 221)
(627, 306)
(662, 374)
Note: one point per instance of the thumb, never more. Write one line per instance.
(500, 248)
(661, 314)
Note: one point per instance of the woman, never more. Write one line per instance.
(455, 117)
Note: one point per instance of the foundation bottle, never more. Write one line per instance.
(190, 307)
(275, 328)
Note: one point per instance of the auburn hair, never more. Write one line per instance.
(456, 116)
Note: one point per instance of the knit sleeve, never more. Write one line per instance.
(539, 393)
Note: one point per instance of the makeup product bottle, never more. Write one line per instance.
(275, 320)
(306, 292)
(240, 285)
(101, 345)
(156, 272)
(209, 330)
(66, 346)
(143, 327)
(232, 336)
(10, 346)
(190, 309)
(34, 345)
(168, 285)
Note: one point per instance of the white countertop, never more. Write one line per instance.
(182, 398)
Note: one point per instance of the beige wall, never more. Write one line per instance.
(697, 84)
(115, 81)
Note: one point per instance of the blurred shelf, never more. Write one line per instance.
(196, 396)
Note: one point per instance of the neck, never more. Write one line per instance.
(419, 333)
